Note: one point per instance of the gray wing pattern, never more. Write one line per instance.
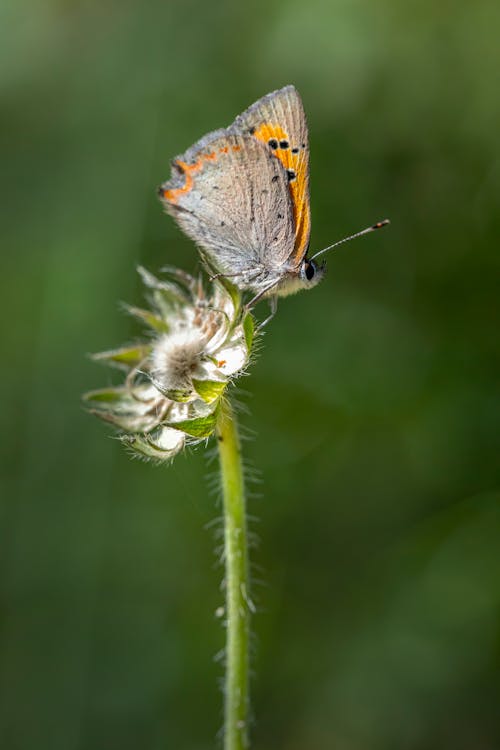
(230, 195)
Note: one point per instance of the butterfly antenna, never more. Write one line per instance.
(378, 225)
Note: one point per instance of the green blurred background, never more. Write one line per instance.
(374, 403)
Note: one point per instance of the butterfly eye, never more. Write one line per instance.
(310, 270)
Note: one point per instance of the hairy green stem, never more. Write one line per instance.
(238, 605)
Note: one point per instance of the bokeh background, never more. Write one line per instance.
(374, 404)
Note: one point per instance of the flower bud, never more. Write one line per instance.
(176, 378)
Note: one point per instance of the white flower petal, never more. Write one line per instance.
(231, 359)
(170, 439)
(208, 370)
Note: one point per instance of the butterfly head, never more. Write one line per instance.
(311, 273)
(308, 275)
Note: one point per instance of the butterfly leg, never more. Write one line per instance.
(273, 304)
(259, 296)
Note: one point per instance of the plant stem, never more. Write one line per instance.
(238, 604)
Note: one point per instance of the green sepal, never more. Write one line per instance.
(209, 390)
(181, 277)
(233, 292)
(128, 423)
(199, 427)
(125, 357)
(145, 447)
(153, 321)
(118, 400)
(166, 293)
(180, 395)
(108, 395)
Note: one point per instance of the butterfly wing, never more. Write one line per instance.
(230, 195)
(278, 121)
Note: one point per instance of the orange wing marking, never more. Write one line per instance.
(189, 170)
(294, 159)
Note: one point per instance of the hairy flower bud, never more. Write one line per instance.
(176, 378)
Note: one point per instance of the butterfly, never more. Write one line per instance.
(242, 194)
